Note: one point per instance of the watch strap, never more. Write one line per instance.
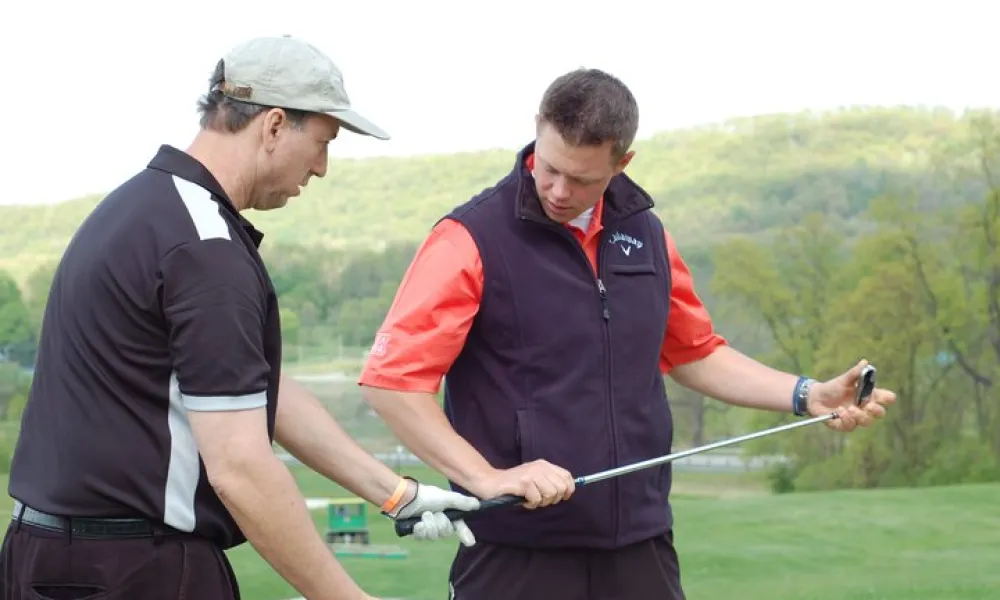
(800, 397)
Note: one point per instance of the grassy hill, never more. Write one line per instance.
(746, 175)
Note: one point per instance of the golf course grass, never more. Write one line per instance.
(736, 540)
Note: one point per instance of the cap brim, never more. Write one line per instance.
(352, 121)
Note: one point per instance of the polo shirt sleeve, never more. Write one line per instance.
(690, 333)
(430, 317)
(214, 306)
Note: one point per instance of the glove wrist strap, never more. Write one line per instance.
(397, 495)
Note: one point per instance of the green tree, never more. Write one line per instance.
(36, 292)
(17, 336)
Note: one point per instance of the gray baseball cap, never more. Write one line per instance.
(287, 72)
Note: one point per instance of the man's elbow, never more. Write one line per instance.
(233, 445)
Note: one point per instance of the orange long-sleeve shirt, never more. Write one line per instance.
(438, 298)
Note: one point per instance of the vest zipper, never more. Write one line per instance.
(606, 314)
(615, 486)
(604, 299)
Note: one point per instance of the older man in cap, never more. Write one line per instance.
(145, 449)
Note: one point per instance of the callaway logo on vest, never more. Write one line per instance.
(625, 242)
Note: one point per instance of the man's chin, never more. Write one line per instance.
(560, 217)
(271, 204)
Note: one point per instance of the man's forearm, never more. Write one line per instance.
(264, 500)
(312, 435)
(418, 421)
(737, 379)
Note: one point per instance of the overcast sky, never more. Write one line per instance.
(88, 105)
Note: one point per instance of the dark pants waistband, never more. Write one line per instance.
(90, 527)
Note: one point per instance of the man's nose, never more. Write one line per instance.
(322, 161)
(560, 189)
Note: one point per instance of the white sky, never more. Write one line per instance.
(85, 106)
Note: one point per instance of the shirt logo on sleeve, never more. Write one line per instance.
(381, 345)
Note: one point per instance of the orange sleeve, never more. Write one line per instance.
(690, 334)
(430, 317)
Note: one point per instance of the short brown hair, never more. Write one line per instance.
(589, 107)
(219, 112)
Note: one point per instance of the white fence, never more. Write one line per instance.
(721, 462)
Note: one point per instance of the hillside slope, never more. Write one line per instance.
(742, 176)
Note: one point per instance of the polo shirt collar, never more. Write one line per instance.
(177, 162)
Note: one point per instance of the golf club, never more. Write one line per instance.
(866, 384)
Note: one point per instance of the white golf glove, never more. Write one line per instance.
(429, 503)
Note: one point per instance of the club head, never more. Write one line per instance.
(865, 386)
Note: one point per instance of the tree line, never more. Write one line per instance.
(902, 270)
(918, 294)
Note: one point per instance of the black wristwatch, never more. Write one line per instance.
(800, 397)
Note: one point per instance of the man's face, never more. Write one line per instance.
(290, 156)
(571, 179)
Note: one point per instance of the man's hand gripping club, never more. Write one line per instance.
(429, 503)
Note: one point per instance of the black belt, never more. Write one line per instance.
(89, 527)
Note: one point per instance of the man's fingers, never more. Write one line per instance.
(559, 488)
(876, 411)
(846, 420)
(561, 480)
(883, 397)
(463, 502)
(562, 483)
(547, 489)
(436, 499)
(859, 417)
(432, 526)
(464, 533)
(569, 483)
(532, 495)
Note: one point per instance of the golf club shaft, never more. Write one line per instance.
(404, 526)
(653, 462)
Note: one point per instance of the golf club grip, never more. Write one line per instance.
(404, 527)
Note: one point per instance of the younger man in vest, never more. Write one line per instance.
(555, 302)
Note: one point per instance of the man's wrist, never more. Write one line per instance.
(800, 396)
(478, 483)
(403, 494)
(394, 497)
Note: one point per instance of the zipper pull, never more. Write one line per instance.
(604, 299)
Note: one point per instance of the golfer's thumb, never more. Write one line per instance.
(856, 371)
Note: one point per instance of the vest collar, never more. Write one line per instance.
(622, 198)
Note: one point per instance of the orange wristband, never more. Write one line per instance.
(396, 496)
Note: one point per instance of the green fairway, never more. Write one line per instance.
(738, 541)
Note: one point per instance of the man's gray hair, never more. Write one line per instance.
(219, 112)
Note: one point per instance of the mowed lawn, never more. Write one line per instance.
(736, 540)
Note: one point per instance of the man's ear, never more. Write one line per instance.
(624, 161)
(272, 123)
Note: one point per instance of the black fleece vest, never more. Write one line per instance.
(564, 366)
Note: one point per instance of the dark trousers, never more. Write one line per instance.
(40, 564)
(648, 570)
